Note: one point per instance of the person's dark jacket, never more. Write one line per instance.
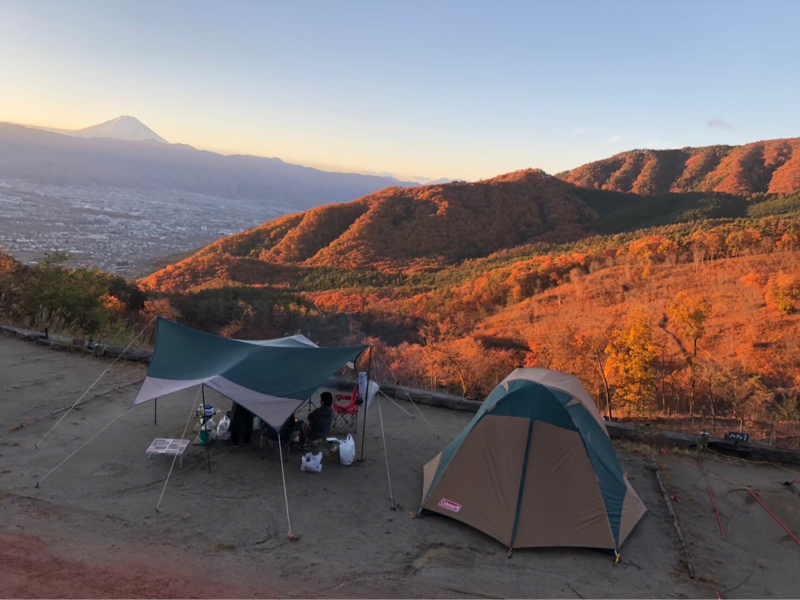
(241, 424)
(320, 421)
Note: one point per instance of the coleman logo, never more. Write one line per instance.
(448, 505)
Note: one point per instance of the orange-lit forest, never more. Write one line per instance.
(668, 281)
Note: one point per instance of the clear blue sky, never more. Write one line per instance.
(435, 89)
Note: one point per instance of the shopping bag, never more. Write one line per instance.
(347, 450)
(223, 429)
(312, 463)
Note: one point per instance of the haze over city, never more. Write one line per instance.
(420, 90)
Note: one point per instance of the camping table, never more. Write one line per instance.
(170, 447)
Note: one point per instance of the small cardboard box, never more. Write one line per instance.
(333, 454)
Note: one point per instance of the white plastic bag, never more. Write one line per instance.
(223, 429)
(312, 463)
(347, 450)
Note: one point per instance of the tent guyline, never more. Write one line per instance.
(64, 416)
(174, 458)
(386, 456)
(86, 443)
(410, 399)
(393, 401)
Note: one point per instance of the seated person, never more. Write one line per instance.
(319, 421)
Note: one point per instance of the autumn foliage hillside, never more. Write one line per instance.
(771, 167)
(427, 228)
(410, 228)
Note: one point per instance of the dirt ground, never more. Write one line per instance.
(91, 528)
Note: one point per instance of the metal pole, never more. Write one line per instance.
(204, 421)
(285, 496)
(366, 405)
(155, 412)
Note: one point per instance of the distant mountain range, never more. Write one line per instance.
(126, 153)
(426, 226)
(771, 166)
(431, 227)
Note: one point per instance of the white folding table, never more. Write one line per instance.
(170, 447)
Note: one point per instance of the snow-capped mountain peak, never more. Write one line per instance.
(122, 128)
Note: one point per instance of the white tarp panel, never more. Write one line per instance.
(271, 409)
(284, 341)
(153, 387)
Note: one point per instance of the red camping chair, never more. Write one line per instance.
(347, 413)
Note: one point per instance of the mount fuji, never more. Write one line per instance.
(122, 128)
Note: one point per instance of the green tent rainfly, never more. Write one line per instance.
(272, 378)
(535, 467)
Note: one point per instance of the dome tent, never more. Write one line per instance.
(535, 467)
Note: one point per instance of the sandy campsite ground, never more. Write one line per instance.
(91, 529)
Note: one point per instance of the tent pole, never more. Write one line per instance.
(204, 421)
(285, 496)
(366, 405)
(155, 412)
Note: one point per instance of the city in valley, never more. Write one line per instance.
(118, 230)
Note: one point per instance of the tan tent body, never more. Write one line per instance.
(535, 467)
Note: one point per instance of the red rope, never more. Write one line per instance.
(777, 520)
(719, 519)
(730, 481)
(752, 493)
(717, 475)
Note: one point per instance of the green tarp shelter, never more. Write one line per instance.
(271, 378)
(535, 467)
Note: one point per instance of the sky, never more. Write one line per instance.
(463, 90)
